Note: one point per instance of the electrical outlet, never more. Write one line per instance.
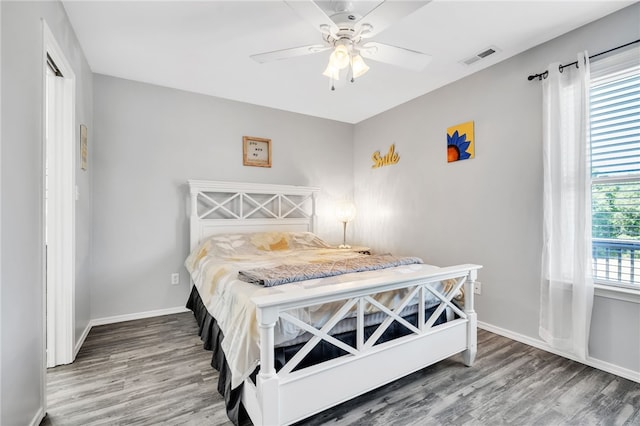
(175, 278)
(477, 287)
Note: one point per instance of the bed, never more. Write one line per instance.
(286, 352)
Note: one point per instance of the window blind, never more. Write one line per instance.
(615, 168)
(615, 127)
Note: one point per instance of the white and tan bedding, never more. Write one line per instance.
(214, 266)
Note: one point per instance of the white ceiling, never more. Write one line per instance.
(204, 47)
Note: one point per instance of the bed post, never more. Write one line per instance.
(314, 216)
(469, 355)
(267, 381)
(193, 217)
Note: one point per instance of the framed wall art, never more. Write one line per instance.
(84, 150)
(256, 151)
(460, 142)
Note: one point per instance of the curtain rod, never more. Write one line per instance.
(544, 74)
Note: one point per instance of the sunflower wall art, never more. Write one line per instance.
(460, 142)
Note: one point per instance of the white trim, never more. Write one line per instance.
(122, 318)
(536, 343)
(1, 213)
(37, 419)
(136, 316)
(81, 340)
(60, 305)
(618, 293)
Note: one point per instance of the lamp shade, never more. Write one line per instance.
(340, 57)
(345, 211)
(358, 66)
(332, 72)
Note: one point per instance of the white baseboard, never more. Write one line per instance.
(540, 344)
(81, 340)
(37, 419)
(122, 318)
(136, 316)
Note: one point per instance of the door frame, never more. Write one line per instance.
(0, 212)
(59, 254)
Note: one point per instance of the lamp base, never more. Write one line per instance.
(344, 246)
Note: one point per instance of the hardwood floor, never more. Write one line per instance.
(155, 371)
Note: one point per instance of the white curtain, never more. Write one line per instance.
(567, 284)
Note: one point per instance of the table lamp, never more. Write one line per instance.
(345, 212)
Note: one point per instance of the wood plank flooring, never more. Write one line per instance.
(155, 372)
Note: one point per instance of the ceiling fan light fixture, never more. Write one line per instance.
(332, 72)
(346, 34)
(358, 66)
(340, 57)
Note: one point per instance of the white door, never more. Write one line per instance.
(59, 203)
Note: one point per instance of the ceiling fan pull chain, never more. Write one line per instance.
(351, 66)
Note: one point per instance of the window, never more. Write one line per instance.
(615, 168)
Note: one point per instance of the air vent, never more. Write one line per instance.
(486, 53)
(483, 54)
(471, 60)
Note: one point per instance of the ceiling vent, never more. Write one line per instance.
(481, 55)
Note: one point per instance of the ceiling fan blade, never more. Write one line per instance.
(311, 12)
(385, 14)
(277, 55)
(404, 58)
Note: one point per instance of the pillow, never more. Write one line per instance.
(223, 245)
(229, 245)
(275, 241)
(307, 240)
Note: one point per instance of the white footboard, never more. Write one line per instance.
(287, 396)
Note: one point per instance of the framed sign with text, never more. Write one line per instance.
(84, 150)
(256, 151)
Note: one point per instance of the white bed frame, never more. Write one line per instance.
(287, 396)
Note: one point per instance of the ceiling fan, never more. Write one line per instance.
(348, 34)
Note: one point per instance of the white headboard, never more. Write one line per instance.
(229, 207)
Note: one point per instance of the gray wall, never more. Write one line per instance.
(21, 200)
(486, 210)
(148, 141)
(145, 141)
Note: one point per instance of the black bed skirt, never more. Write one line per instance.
(212, 336)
